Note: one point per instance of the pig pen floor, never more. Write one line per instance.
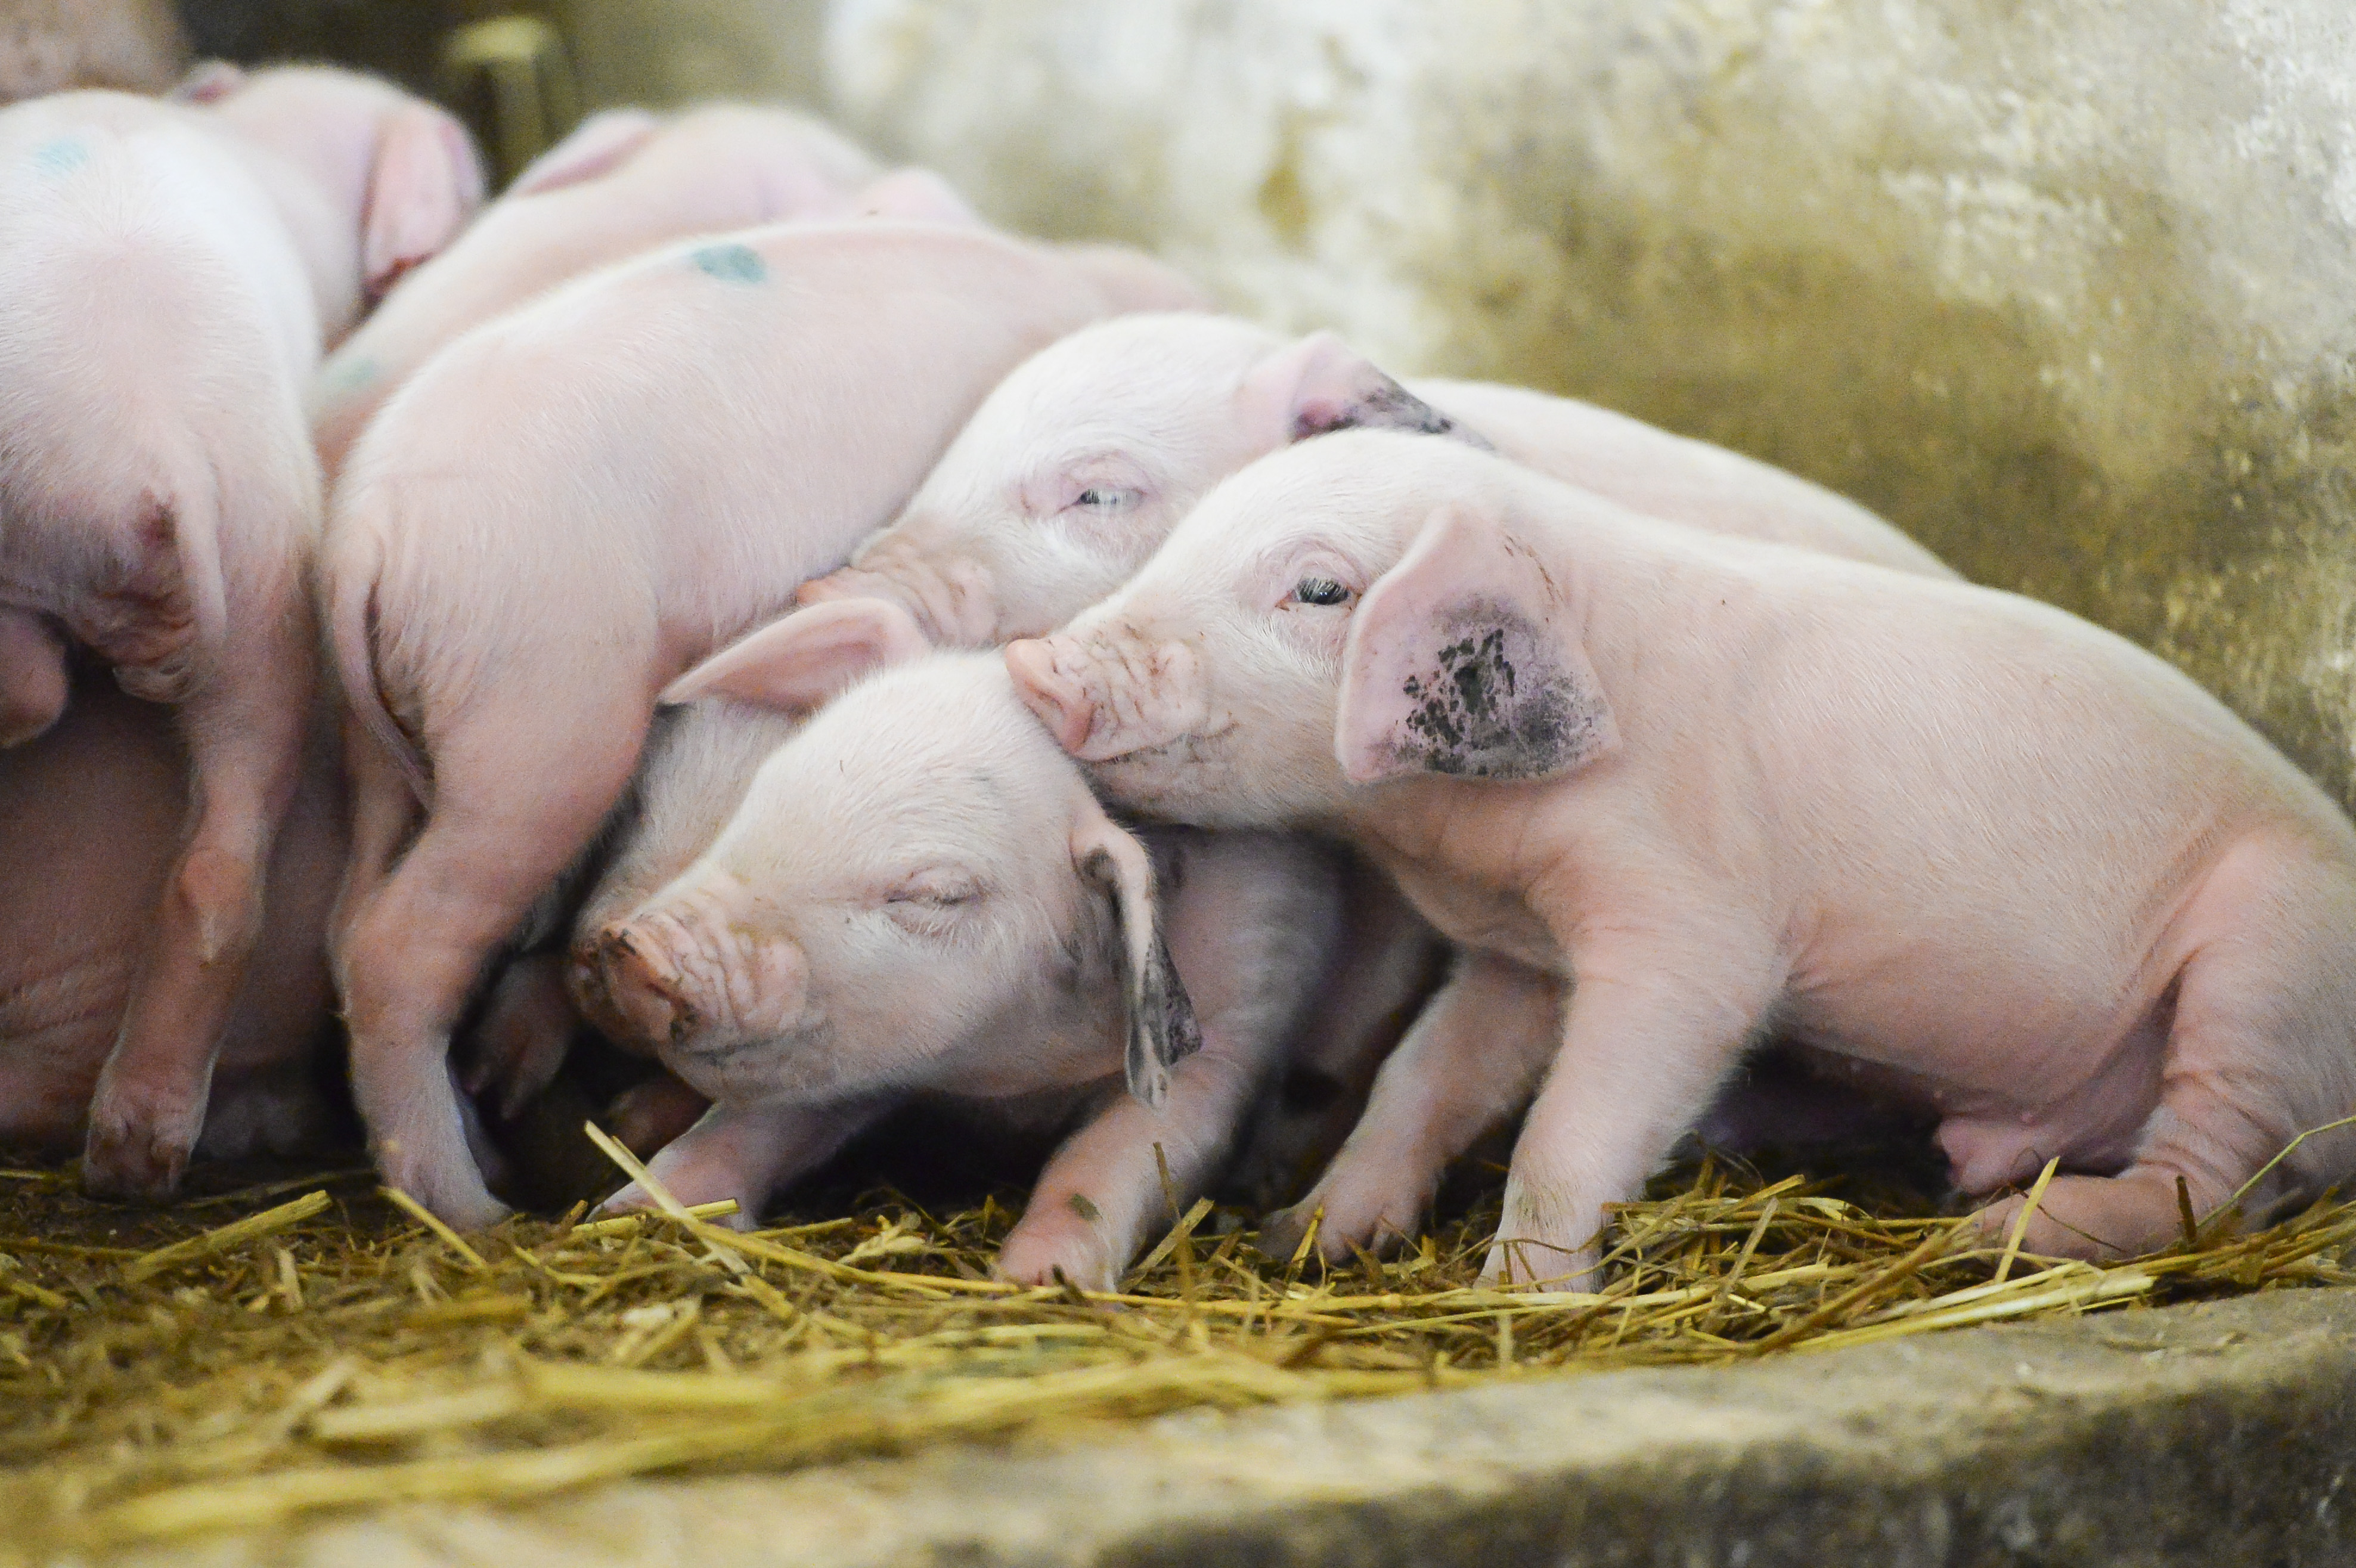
(288, 1347)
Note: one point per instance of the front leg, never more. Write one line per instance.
(1469, 1062)
(1101, 1193)
(1651, 1034)
(749, 1153)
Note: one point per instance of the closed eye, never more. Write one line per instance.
(1107, 499)
(1319, 591)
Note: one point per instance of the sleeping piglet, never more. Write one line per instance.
(565, 510)
(168, 275)
(920, 896)
(622, 182)
(2004, 861)
(1080, 463)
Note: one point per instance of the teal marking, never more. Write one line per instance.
(60, 155)
(731, 263)
(344, 374)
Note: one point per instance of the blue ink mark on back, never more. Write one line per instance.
(731, 263)
(344, 374)
(60, 155)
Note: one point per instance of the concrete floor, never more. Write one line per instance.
(2219, 1434)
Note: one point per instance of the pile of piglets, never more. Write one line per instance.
(724, 605)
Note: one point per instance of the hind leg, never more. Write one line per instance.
(2260, 1049)
(32, 676)
(244, 727)
(514, 801)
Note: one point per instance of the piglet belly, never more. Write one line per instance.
(2015, 1075)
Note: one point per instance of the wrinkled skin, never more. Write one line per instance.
(1080, 463)
(92, 810)
(2007, 863)
(622, 183)
(556, 518)
(919, 898)
(170, 274)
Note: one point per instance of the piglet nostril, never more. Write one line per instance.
(1055, 698)
(642, 988)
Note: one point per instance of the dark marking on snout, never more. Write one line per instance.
(731, 263)
(1495, 705)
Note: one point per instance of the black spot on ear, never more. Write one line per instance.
(1378, 402)
(1497, 704)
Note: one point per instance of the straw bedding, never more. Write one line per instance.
(312, 1343)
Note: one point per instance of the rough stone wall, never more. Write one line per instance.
(2065, 287)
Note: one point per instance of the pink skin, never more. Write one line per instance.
(93, 807)
(569, 467)
(1080, 463)
(959, 920)
(2004, 859)
(623, 183)
(175, 270)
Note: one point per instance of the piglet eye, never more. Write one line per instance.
(1319, 591)
(1106, 498)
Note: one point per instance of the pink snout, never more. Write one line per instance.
(1060, 700)
(641, 987)
(689, 976)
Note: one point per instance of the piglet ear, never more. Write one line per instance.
(1461, 660)
(1321, 384)
(797, 661)
(1161, 1027)
(917, 196)
(426, 184)
(596, 147)
(207, 81)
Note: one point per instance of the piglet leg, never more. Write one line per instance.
(244, 729)
(749, 1153)
(1471, 1059)
(508, 816)
(1650, 1036)
(525, 1032)
(1102, 1191)
(32, 676)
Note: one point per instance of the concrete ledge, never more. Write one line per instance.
(2220, 1434)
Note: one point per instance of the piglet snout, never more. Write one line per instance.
(642, 987)
(1060, 702)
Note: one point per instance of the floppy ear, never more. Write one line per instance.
(1461, 660)
(1321, 384)
(207, 81)
(798, 660)
(426, 183)
(1161, 1027)
(597, 146)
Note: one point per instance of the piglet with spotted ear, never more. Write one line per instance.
(559, 515)
(919, 897)
(169, 272)
(2009, 864)
(623, 183)
(1082, 461)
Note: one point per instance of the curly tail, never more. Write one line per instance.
(351, 615)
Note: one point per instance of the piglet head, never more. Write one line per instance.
(1349, 610)
(400, 176)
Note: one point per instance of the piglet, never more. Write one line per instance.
(1078, 465)
(622, 183)
(2005, 862)
(560, 513)
(93, 809)
(919, 897)
(168, 275)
